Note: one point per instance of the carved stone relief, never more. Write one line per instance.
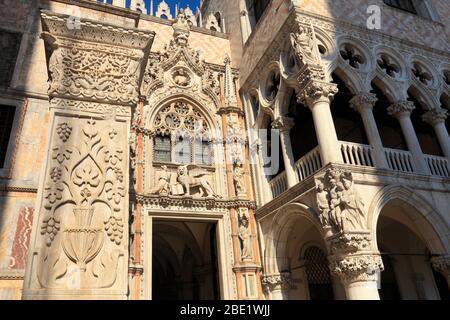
(84, 204)
(187, 181)
(338, 202)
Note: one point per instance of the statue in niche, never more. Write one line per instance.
(133, 155)
(238, 178)
(163, 186)
(181, 78)
(245, 236)
(338, 202)
(323, 204)
(191, 177)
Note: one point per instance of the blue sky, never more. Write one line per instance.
(183, 3)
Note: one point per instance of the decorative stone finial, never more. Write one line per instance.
(181, 29)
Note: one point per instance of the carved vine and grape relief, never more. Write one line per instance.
(82, 220)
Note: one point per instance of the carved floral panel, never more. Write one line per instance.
(82, 227)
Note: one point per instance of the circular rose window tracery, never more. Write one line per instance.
(180, 116)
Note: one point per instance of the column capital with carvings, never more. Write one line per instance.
(284, 124)
(356, 267)
(276, 281)
(441, 264)
(363, 101)
(316, 91)
(435, 116)
(401, 108)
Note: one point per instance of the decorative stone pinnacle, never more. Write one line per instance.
(181, 28)
(401, 108)
(435, 116)
(363, 100)
(230, 90)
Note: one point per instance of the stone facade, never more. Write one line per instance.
(138, 148)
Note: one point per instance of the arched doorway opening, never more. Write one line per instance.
(184, 261)
(403, 238)
(296, 247)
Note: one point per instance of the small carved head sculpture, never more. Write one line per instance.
(182, 170)
(320, 186)
(164, 168)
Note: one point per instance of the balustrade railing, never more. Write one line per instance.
(278, 184)
(357, 154)
(438, 166)
(308, 164)
(399, 160)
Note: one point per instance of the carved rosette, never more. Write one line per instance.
(356, 267)
(276, 281)
(435, 116)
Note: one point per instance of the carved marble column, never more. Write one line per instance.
(436, 118)
(342, 214)
(284, 125)
(358, 273)
(79, 245)
(364, 103)
(277, 286)
(316, 95)
(442, 264)
(402, 112)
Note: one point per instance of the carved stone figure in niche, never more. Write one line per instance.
(181, 78)
(133, 155)
(163, 185)
(245, 236)
(238, 178)
(323, 204)
(195, 179)
(338, 202)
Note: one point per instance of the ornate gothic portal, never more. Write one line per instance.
(191, 179)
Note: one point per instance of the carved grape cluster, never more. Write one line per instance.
(49, 229)
(114, 229)
(64, 131)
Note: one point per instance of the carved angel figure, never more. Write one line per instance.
(194, 177)
(163, 182)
